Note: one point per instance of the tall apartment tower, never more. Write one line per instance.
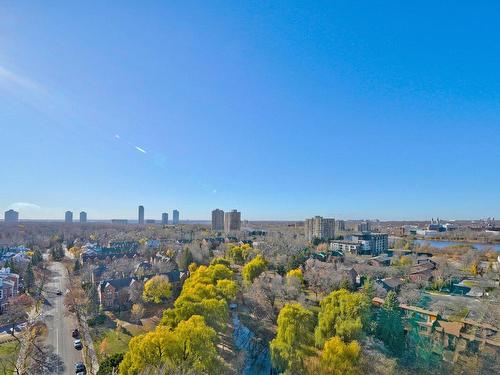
(217, 220)
(232, 221)
(340, 226)
(83, 217)
(164, 218)
(364, 226)
(11, 216)
(141, 215)
(68, 217)
(319, 227)
(175, 217)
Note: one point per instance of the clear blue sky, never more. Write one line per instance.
(282, 109)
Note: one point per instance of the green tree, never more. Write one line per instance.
(157, 289)
(29, 278)
(93, 300)
(342, 313)
(186, 259)
(293, 338)
(110, 364)
(254, 268)
(77, 267)
(37, 257)
(390, 326)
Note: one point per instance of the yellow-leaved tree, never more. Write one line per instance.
(206, 292)
(191, 346)
(157, 289)
(339, 358)
(254, 268)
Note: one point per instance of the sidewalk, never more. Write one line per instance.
(90, 355)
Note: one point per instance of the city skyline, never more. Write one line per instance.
(209, 217)
(328, 109)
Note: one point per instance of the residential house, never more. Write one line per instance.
(423, 272)
(9, 286)
(113, 293)
(392, 284)
(380, 261)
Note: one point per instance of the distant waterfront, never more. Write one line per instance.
(441, 244)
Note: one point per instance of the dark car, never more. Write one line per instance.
(59, 293)
(75, 333)
(78, 344)
(80, 368)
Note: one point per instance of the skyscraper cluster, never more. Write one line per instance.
(164, 217)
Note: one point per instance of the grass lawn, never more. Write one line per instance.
(8, 355)
(115, 342)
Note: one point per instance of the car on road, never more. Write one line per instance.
(75, 333)
(80, 368)
(59, 293)
(78, 344)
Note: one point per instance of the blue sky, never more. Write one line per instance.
(282, 109)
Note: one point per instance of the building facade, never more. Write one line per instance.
(140, 218)
(217, 220)
(11, 216)
(83, 217)
(319, 227)
(232, 221)
(175, 217)
(68, 217)
(164, 218)
(364, 226)
(9, 286)
(371, 243)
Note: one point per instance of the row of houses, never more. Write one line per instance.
(449, 338)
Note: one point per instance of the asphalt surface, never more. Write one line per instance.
(60, 323)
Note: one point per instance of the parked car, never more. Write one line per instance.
(75, 333)
(78, 344)
(80, 368)
(59, 293)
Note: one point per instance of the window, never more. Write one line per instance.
(1, 294)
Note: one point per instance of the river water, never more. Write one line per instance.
(441, 244)
(257, 355)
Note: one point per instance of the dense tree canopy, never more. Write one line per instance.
(157, 289)
(254, 268)
(342, 313)
(190, 345)
(389, 326)
(204, 293)
(293, 337)
(339, 358)
(239, 254)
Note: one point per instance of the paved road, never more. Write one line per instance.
(60, 325)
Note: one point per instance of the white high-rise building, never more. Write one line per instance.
(217, 220)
